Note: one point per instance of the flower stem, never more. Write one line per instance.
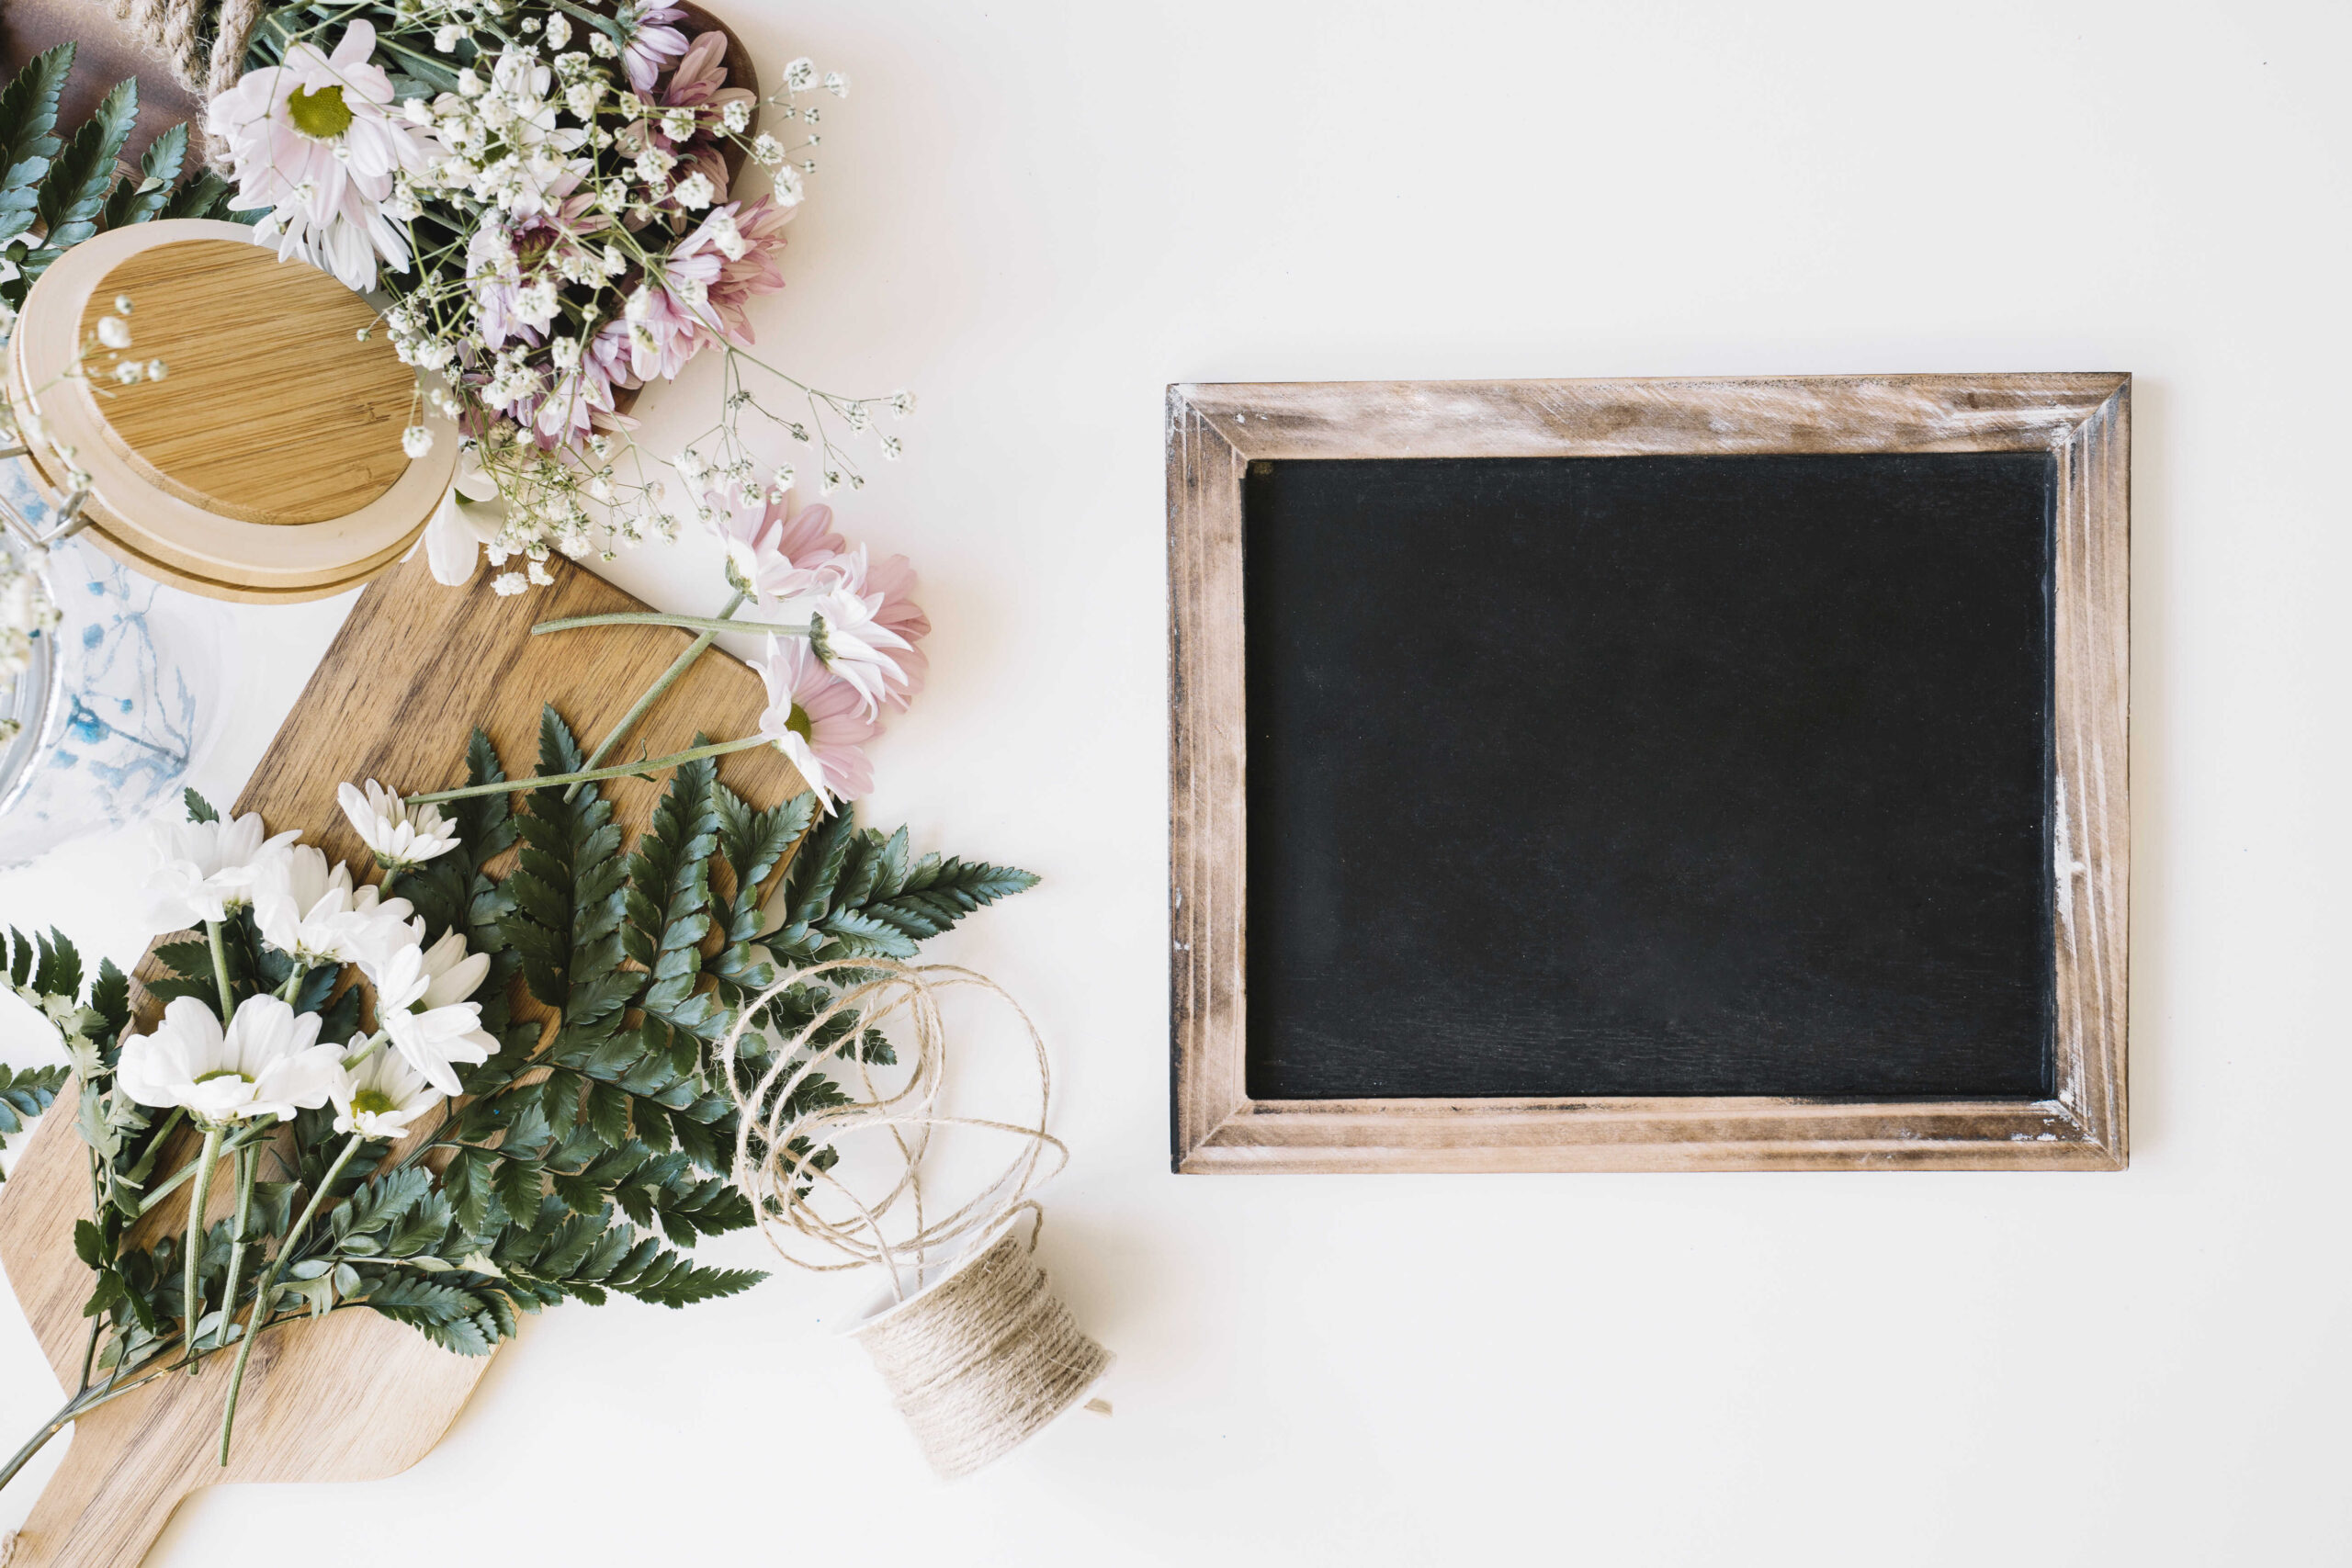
(107, 1393)
(293, 986)
(248, 1164)
(172, 1182)
(269, 1285)
(191, 1303)
(220, 969)
(678, 667)
(80, 1404)
(657, 618)
(590, 776)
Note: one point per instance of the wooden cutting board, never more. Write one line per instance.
(353, 1397)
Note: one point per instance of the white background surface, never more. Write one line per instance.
(1039, 215)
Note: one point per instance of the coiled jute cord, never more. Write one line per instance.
(978, 1352)
(203, 42)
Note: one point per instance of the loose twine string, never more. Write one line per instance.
(977, 1360)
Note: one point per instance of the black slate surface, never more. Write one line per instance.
(1650, 775)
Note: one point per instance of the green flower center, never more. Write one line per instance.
(220, 1073)
(372, 1102)
(321, 115)
(798, 724)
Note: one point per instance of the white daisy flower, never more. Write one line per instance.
(420, 998)
(377, 1094)
(401, 840)
(317, 141)
(266, 1062)
(205, 869)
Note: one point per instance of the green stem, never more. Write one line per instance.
(191, 1303)
(106, 1393)
(248, 1163)
(220, 969)
(592, 775)
(293, 986)
(657, 618)
(172, 1182)
(269, 1285)
(678, 667)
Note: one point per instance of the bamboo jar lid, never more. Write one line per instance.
(267, 466)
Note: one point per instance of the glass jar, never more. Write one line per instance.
(118, 702)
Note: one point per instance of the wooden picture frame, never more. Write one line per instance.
(1214, 432)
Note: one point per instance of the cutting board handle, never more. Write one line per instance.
(107, 1503)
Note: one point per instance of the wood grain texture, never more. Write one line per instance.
(355, 1398)
(1630, 418)
(1207, 752)
(1213, 433)
(277, 413)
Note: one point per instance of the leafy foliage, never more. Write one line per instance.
(59, 190)
(29, 137)
(589, 1155)
(46, 973)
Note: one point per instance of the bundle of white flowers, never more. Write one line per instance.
(548, 192)
(402, 1139)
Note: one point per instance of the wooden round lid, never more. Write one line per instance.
(267, 464)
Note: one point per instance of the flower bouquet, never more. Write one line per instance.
(549, 195)
(475, 1088)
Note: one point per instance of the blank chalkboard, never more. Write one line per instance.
(1694, 773)
(1650, 776)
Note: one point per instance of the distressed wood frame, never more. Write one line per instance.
(1214, 432)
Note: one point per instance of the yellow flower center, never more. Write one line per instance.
(321, 115)
(372, 1102)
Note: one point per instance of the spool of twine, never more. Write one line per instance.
(982, 1357)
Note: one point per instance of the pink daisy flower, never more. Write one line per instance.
(894, 579)
(819, 721)
(769, 555)
(742, 279)
(500, 263)
(854, 645)
(651, 44)
(700, 83)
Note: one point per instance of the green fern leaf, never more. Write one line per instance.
(29, 137)
(73, 193)
(110, 999)
(58, 972)
(136, 201)
(25, 1093)
(207, 196)
(669, 1280)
